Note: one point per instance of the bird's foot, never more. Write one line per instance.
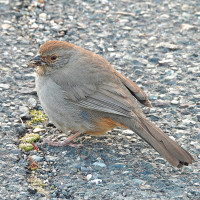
(66, 142)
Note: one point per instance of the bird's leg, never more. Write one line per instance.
(66, 142)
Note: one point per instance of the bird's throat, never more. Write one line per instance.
(41, 70)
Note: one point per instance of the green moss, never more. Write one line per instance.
(26, 146)
(38, 116)
(29, 138)
(38, 184)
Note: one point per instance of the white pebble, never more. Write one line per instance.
(89, 176)
(96, 181)
(43, 16)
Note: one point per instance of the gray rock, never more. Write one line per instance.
(137, 181)
(4, 86)
(100, 164)
(23, 109)
(51, 158)
(32, 102)
(37, 158)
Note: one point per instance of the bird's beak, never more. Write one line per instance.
(37, 61)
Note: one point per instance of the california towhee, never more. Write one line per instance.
(82, 92)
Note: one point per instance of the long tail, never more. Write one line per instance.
(164, 145)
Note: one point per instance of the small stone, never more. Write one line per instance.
(34, 25)
(96, 181)
(37, 158)
(145, 187)
(183, 106)
(164, 16)
(153, 97)
(169, 46)
(117, 166)
(175, 102)
(32, 102)
(23, 109)
(37, 130)
(4, 86)
(154, 60)
(25, 116)
(128, 132)
(43, 16)
(198, 117)
(20, 129)
(81, 25)
(154, 118)
(138, 181)
(89, 176)
(187, 27)
(127, 28)
(31, 190)
(161, 104)
(51, 158)
(185, 7)
(185, 112)
(6, 26)
(165, 62)
(188, 122)
(70, 17)
(29, 76)
(100, 164)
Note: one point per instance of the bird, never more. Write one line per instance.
(82, 92)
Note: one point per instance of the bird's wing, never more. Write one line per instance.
(98, 88)
(136, 91)
(108, 98)
(104, 97)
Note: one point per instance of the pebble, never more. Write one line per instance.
(27, 91)
(43, 16)
(23, 109)
(175, 102)
(37, 158)
(32, 102)
(117, 166)
(138, 181)
(96, 181)
(37, 130)
(154, 118)
(34, 26)
(160, 103)
(6, 26)
(187, 27)
(4, 86)
(128, 132)
(169, 46)
(31, 190)
(183, 106)
(188, 122)
(166, 62)
(100, 164)
(153, 97)
(198, 117)
(89, 176)
(51, 158)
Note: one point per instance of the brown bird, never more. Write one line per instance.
(80, 91)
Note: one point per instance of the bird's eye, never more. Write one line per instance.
(54, 57)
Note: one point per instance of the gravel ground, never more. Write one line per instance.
(155, 43)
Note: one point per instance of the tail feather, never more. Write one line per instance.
(163, 144)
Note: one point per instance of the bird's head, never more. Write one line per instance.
(52, 55)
